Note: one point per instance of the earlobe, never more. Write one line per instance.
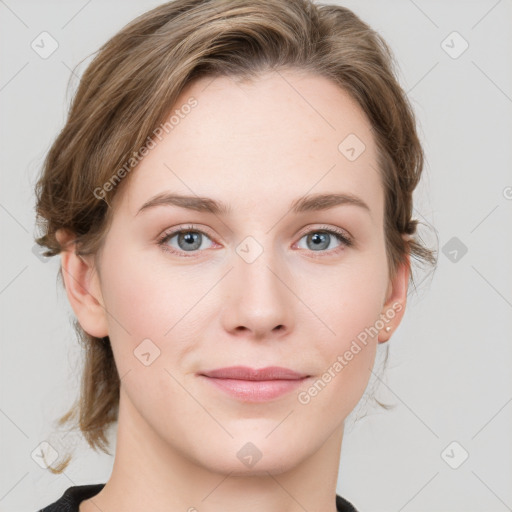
(82, 287)
(396, 298)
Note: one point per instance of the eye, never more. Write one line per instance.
(188, 239)
(191, 240)
(318, 240)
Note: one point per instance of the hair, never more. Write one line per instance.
(132, 84)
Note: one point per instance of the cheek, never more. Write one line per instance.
(145, 294)
(347, 298)
(347, 356)
(148, 299)
(350, 307)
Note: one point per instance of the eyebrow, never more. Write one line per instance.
(315, 202)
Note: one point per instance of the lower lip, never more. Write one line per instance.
(255, 390)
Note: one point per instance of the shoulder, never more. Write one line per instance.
(342, 505)
(72, 497)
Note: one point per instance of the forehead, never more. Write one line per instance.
(275, 138)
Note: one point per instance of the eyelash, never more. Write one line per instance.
(338, 233)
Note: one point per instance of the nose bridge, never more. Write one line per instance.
(258, 298)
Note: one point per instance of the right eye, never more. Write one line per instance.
(188, 239)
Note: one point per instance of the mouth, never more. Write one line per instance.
(254, 385)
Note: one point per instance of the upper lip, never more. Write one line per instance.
(246, 373)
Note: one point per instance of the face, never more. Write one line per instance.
(265, 282)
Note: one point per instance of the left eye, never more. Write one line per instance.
(319, 240)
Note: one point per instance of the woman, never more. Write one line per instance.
(231, 197)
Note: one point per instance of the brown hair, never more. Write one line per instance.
(133, 82)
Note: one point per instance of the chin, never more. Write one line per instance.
(251, 458)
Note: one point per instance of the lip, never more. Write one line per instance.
(246, 373)
(254, 385)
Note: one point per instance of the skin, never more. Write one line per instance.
(257, 146)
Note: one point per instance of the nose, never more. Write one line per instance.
(258, 302)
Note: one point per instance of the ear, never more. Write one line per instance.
(82, 284)
(393, 308)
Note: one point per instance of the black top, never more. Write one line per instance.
(73, 496)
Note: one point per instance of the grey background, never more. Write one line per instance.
(449, 368)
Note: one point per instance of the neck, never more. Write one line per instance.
(151, 474)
